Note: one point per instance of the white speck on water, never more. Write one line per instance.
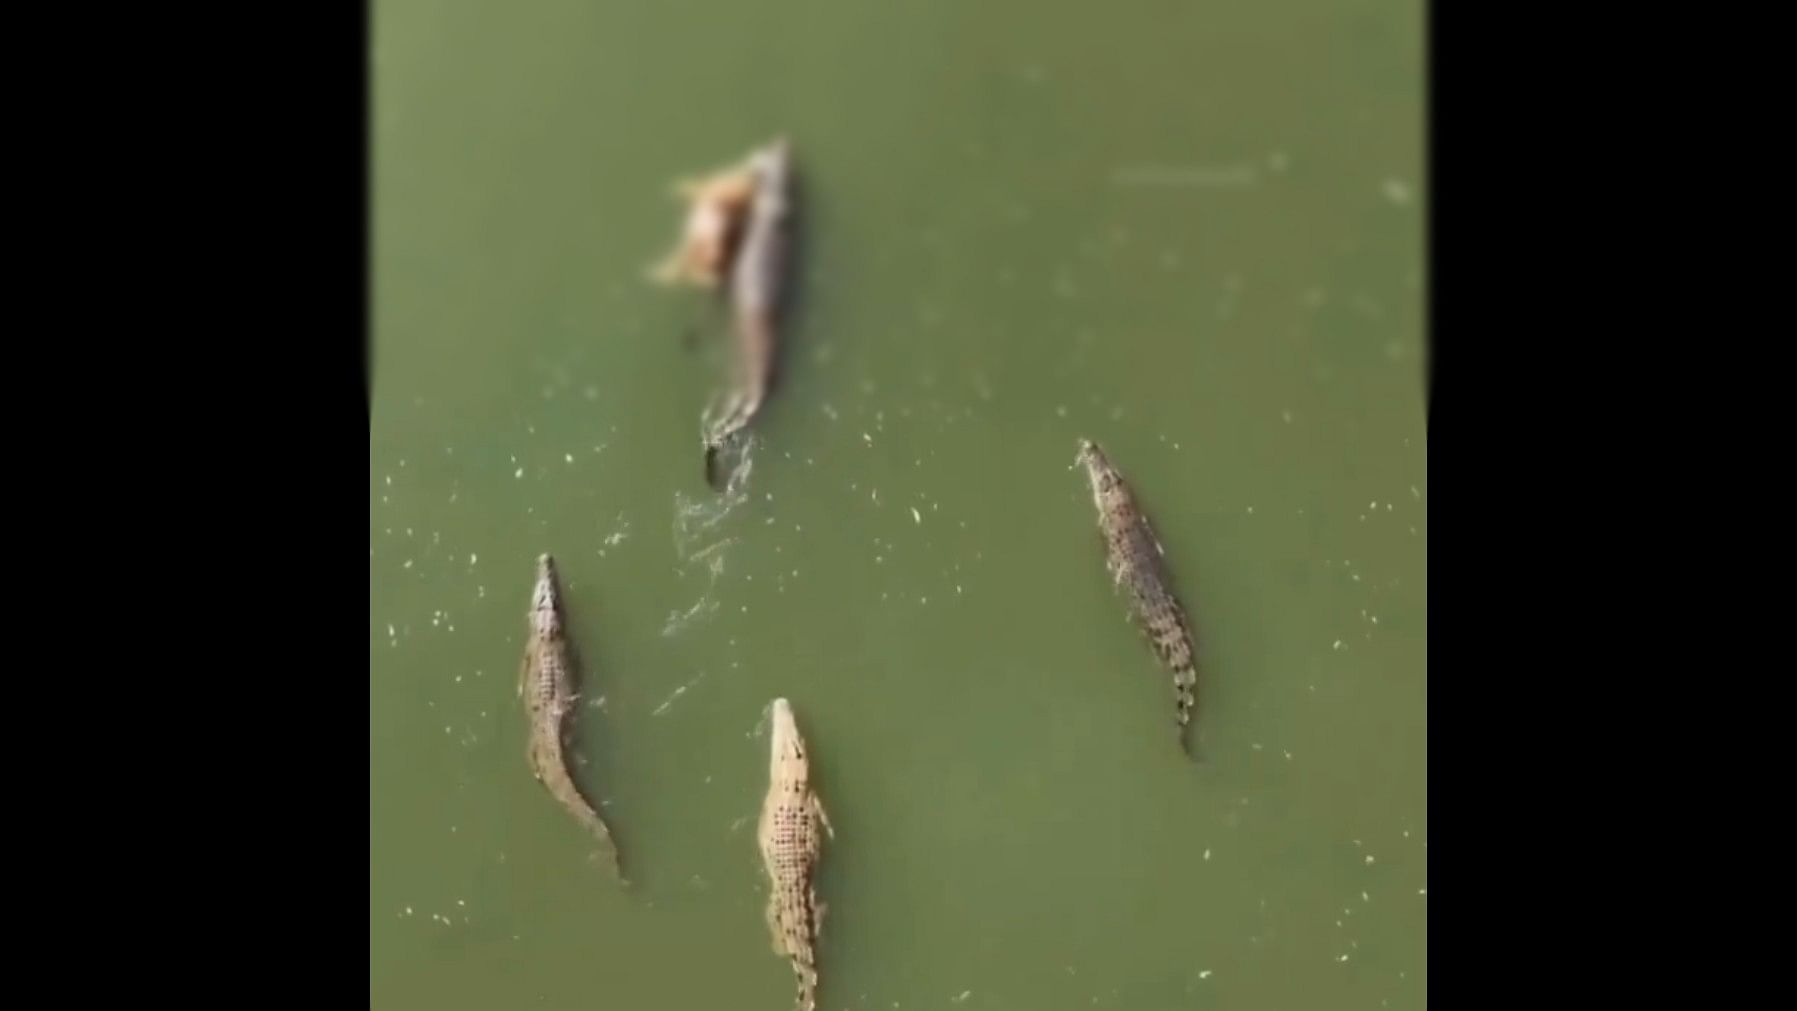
(408, 911)
(518, 473)
(390, 632)
(1422, 891)
(1364, 897)
(916, 515)
(1288, 756)
(876, 495)
(867, 438)
(1250, 510)
(1374, 618)
(1060, 410)
(1342, 957)
(1338, 644)
(1256, 746)
(1372, 505)
(568, 457)
(1287, 415)
(1397, 192)
(1207, 854)
(1369, 859)
(1356, 575)
(389, 479)
(963, 996)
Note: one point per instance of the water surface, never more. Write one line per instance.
(1190, 231)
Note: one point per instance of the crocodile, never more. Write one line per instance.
(793, 824)
(757, 290)
(546, 684)
(1136, 560)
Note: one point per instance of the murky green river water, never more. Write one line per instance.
(1192, 231)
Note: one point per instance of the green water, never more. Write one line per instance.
(1191, 231)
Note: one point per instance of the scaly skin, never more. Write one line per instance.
(546, 683)
(1135, 559)
(757, 285)
(793, 824)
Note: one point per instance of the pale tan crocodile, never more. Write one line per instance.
(1136, 561)
(791, 837)
(546, 683)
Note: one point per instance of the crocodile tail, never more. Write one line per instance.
(712, 448)
(806, 976)
(724, 436)
(561, 785)
(1185, 697)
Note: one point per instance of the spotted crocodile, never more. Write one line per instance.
(1136, 561)
(546, 684)
(791, 835)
